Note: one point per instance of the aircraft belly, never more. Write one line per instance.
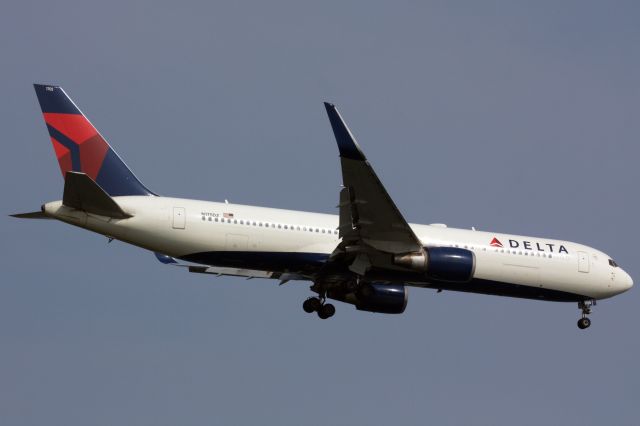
(507, 289)
(265, 261)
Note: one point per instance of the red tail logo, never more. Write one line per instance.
(495, 243)
(79, 146)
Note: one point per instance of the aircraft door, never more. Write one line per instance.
(583, 261)
(179, 218)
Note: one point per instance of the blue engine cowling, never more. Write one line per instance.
(376, 297)
(450, 264)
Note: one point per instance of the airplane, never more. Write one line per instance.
(366, 256)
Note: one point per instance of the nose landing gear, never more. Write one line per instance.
(585, 306)
(584, 323)
(316, 304)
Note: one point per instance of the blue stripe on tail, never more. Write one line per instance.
(86, 150)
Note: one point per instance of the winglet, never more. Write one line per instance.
(346, 142)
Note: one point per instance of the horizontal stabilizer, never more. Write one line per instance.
(31, 215)
(82, 193)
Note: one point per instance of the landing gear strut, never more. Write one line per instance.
(585, 306)
(317, 304)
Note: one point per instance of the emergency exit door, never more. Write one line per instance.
(179, 218)
(583, 261)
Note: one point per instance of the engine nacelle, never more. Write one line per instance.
(450, 264)
(374, 297)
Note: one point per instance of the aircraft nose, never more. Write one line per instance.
(626, 281)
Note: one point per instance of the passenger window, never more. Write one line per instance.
(209, 218)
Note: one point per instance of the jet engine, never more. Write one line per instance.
(376, 297)
(451, 264)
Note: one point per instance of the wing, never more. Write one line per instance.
(371, 226)
(232, 272)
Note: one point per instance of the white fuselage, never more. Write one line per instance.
(182, 227)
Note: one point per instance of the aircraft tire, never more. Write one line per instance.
(326, 311)
(312, 304)
(584, 323)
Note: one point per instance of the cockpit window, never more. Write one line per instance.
(613, 263)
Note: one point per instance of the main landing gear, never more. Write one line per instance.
(585, 306)
(315, 304)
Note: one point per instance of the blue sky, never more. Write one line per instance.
(518, 117)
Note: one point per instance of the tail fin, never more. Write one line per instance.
(80, 147)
